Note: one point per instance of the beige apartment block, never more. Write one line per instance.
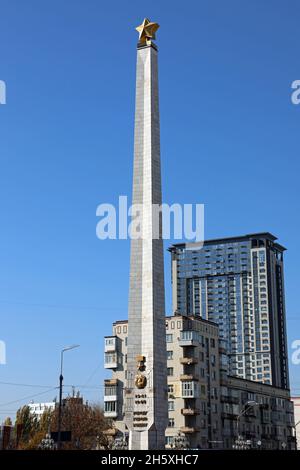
(207, 407)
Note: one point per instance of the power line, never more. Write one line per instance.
(25, 385)
(95, 387)
(93, 373)
(28, 397)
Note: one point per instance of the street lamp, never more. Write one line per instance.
(68, 348)
(248, 404)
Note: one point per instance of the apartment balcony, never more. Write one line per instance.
(110, 382)
(188, 429)
(110, 414)
(188, 360)
(110, 390)
(189, 388)
(111, 408)
(188, 338)
(110, 360)
(110, 343)
(111, 397)
(189, 411)
(188, 377)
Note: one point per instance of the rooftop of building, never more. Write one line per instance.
(239, 238)
(253, 383)
(169, 317)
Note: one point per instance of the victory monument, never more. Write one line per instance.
(145, 392)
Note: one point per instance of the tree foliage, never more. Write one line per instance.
(86, 423)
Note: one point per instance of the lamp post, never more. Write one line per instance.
(247, 405)
(68, 348)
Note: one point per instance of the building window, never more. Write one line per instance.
(169, 440)
(189, 335)
(188, 389)
(170, 388)
(110, 406)
(110, 358)
(214, 408)
(171, 423)
(169, 355)
(170, 371)
(110, 390)
(110, 341)
(169, 338)
(171, 406)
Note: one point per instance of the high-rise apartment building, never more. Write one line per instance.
(238, 283)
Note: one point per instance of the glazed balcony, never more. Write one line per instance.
(110, 343)
(188, 338)
(110, 360)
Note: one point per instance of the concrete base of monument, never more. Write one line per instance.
(150, 439)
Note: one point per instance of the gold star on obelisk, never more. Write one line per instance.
(147, 30)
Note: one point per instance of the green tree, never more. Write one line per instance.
(27, 424)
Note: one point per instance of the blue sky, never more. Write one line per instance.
(230, 140)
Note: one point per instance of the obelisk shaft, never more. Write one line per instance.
(146, 407)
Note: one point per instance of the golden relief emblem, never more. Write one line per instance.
(140, 381)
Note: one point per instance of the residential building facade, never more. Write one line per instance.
(238, 283)
(38, 409)
(296, 401)
(206, 405)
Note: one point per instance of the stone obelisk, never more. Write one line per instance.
(146, 388)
